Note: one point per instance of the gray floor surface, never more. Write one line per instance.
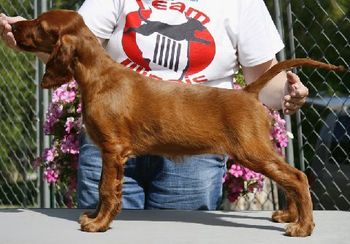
(58, 226)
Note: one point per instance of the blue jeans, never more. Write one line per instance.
(153, 182)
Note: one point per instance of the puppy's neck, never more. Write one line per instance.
(91, 61)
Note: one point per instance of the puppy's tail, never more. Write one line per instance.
(258, 84)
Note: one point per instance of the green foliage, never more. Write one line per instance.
(239, 78)
(64, 4)
(24, 8)
(17, 109)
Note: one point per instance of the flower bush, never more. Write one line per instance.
(63, 123)
(238, 180)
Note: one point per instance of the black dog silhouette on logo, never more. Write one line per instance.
(179, 32)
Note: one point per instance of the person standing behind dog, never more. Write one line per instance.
(197, 42)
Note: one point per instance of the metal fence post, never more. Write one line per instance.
(298, 114)
(282, 56)
(41, 106)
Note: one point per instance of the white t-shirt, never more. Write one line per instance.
(195, 41)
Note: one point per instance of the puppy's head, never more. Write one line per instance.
(54, 32)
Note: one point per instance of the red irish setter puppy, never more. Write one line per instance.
(128, 114)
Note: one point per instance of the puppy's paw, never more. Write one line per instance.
(86, 217)
(284, 216)
(299, 230)
(94, 226)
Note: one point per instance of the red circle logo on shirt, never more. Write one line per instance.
(185, 49)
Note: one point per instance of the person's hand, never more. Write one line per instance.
(6, 34)
(296, 94)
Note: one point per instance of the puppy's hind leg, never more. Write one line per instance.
(263, 159)
(289, 213)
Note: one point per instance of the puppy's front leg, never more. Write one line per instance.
(110, 190)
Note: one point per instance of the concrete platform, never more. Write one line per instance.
(58, 226)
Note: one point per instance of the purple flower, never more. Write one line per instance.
(70, 144)
(233, 196)
(37, 162)
(52, 117)
(235, 186)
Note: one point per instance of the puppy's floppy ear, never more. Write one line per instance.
(59, 68)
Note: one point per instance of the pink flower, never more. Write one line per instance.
(51, 175)
(239, 180)
(249, 175)
(236, 86)
(279, 133)
(79, 108)
(65, 93)
(73, 85)
(69, 125)
(64, 96)
(49, 154)
(236, 170)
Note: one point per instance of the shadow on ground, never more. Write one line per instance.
(198, 217)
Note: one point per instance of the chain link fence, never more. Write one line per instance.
(321, 146)
(320, 30)
(22, 108)
(18, 119)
